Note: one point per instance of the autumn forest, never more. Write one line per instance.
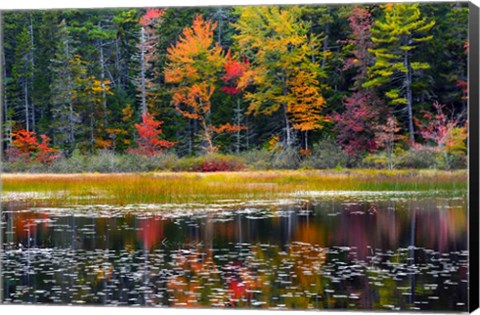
(228, 88)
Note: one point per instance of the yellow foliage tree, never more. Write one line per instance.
(283, 73)
(306, 104)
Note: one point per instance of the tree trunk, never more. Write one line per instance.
(191, 134)
(71, 132)
(27, 108)
(92, 137)
(142, 73)
(32, 78)
(306, 139)
(325, 45)
(208, 137)
(206, 130)
(389, 149)
(102, 81)
(118, 67)
(288, 132)
(4, 94)
(220, 33)
(247, 134)
(239, 121)
(408, 87)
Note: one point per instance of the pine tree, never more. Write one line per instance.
(402, 30)
(65, 68)
(22, 72)
(148, 55)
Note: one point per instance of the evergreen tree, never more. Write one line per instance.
(65, 68)
(397, 36)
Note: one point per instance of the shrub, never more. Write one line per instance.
(418, 157)
(377, 161)
(326, 154)
(14, 154)
(286, 159)
(257, 159)
(459, 162)
(210, 163)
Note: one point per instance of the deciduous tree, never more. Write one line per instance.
(446, 133)
(46, 154)
(385, 137)
(27, 144)
(276, 41)
(148, 132)
(234, 71)
(194, 65)
(356, 125)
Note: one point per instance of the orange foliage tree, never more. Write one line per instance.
(194, 64)
(25, 141)
(306, 104)
(46, 155)
(27, 146)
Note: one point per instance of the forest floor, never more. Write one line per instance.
(210, 188)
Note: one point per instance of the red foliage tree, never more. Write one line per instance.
(26, 146)
(234, 70)
(360, 23)
(446, 132)
(234, 73)
(356, 125)
(151, 16)
(46, 154)
(148, 142)
(25, 141)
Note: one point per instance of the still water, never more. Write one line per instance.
(395, 254)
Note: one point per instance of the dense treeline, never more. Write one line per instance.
(380, 84)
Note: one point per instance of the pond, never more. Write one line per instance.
(406, 253)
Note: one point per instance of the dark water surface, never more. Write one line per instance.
(397, 254)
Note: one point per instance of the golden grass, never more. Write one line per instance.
(169, 187)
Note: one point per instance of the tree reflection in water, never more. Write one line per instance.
(395, 254)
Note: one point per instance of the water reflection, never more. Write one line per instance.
(396, 254)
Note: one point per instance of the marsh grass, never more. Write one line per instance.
(166, 187)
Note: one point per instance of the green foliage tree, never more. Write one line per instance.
(397, 36)
(65, 68)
